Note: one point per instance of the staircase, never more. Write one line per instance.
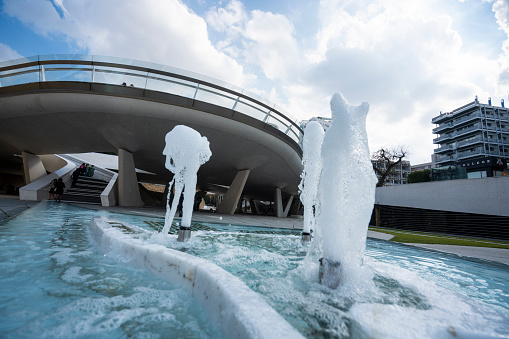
(86, 191)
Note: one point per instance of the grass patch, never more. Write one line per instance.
(432, 238)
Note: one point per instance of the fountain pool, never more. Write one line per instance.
(55, 283)
(411, 292)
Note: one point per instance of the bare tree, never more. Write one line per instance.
(385, 161)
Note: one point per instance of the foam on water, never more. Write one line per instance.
(392, 301)
(66, 288)
(78, 292)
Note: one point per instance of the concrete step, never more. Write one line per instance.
(86, 190)
(83, 200)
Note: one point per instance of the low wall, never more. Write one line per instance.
(488, 196)
(38, 190)
(239, 311)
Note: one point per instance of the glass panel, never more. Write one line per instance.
(251, 110)
(171, 85)
(19, 76)
(119, 76)
(286, 114)
(68, 72)
(124, 61)
(294, 133)
(215, 97)
(55, 57)
(276, 123)
(19, 61)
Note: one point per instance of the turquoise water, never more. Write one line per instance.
(54, 283)
(439, 288)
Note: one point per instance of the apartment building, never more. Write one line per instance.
(399, 175)
(474, 136)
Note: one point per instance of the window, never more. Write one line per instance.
(476, 175)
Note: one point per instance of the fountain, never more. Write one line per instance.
(312, 162)
(261, 284)
(346, 191)
(186, 150)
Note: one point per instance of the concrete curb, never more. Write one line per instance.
(227, 301)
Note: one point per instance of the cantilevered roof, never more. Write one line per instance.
(77, 104)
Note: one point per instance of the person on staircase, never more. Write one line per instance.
(75, 176)
(59, 189)
(91, 171)
(51, 194)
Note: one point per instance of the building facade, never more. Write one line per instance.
(399, 174)
(474, 136)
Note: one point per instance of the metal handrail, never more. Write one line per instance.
(13, 71)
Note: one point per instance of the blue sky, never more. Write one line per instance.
(408, 59)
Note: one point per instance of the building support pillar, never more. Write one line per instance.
(128, 190)
(33, 167)
(280, 210)
(231, 198)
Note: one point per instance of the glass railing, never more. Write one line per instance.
(149, 76)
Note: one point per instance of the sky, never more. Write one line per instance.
(409, 59)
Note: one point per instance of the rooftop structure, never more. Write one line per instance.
(474, 136)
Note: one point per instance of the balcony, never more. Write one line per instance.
(470, 154)
(443, 127)
(443, 149)
(446, 116)
(467, 118)
(467, 130)
(442, 160)
(442, 138)
(469, 142)
(441, 117)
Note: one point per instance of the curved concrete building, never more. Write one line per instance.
(76, 104)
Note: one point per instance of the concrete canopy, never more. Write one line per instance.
(78, 117)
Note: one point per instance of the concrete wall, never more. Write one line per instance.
(38, 190)
(481, 196)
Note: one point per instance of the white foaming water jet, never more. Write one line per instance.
(346, 191)
(186, 150)
(312, 161)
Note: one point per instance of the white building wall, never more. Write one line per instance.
(480, 196)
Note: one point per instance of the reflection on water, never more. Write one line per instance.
(54, 283)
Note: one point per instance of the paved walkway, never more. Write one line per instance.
(10, 206)
(500, 255)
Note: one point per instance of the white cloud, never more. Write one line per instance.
(7, 53)
(409, 59)
(165, 32)
(501, 10)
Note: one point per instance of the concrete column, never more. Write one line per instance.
(280, 210)
(278, 203)
(231, 199)
(288, 206)
(33, 168)
(128, 191)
